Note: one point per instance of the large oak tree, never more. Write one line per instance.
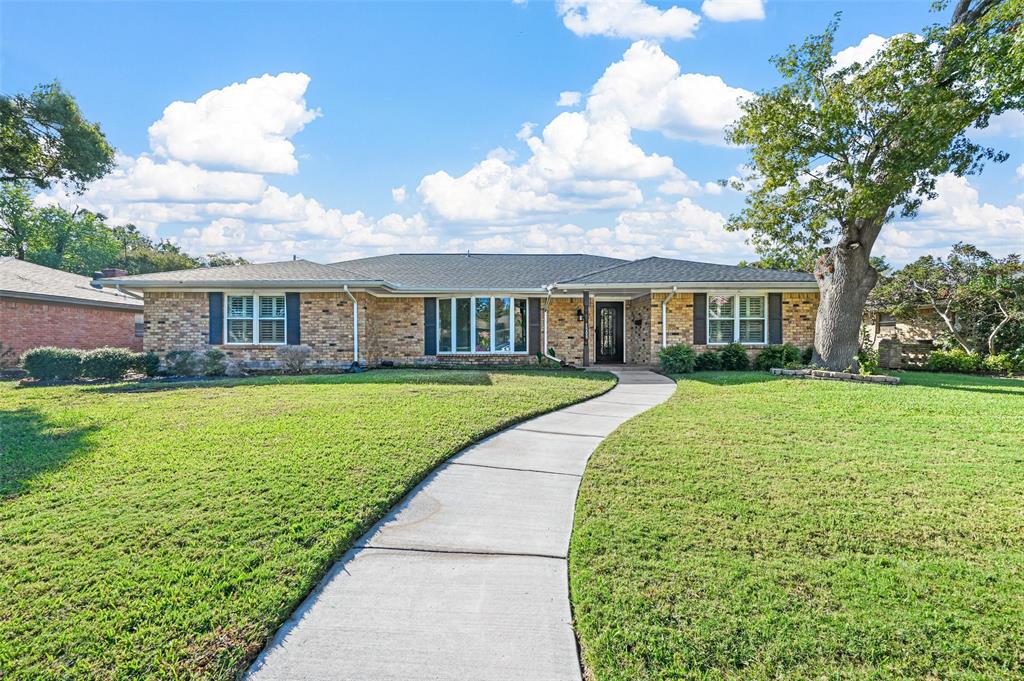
(836, 153)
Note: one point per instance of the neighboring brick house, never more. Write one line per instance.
(42, 306)
(473, 308)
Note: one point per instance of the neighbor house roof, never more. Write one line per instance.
(442, 271)
(450, 272)
(20, 279)
(667, 271)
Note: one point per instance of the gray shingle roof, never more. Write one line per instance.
(669, 271)
(444, 271)
(284, 271)
(22, 279)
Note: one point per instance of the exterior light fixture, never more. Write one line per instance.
(579, 314)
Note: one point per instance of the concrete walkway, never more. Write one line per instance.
(467, 577)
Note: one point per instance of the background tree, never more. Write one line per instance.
(839, 152)
(979, 298)
(17, 216)
(45, 139)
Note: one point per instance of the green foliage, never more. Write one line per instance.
(807, 355)
(52, 363)
(751, 529)
(677, 359)
(147, 363)
(956, 360)
(109, 363)
(709, 360)
(777, 357)
(980, 298)
(868, 361)
(214, 362)
(735, 358)
(293, 358)
(183, 363)
(46, 139)
(1003, 363)
(198, 517)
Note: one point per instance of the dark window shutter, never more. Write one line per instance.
(775, 318)
(700, 319)
(216, 318)
(430, 326)
(533, 333)
(293, 333)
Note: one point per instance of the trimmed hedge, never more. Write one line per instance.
(109, 363)
(677, 359)
(709, 360)
(735, 358)
(777, 357)
(147, 363)
(956, 360)
(52, 363)
(182, 363)
(214, 362)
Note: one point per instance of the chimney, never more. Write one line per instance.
(108, 273)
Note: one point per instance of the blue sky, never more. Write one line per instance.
(273, 129)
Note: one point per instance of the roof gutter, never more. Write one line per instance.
(664, 318)
(355, 326)
(241, 283)
(696, 285)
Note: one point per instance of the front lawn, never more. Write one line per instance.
(168, 532)
(760, 528)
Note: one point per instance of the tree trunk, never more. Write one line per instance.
(845, 278)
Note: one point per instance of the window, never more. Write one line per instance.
(255, 319)
(140, 325)
(482, 324)
(735, 318)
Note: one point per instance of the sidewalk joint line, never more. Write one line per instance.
(511, 468)
(555, 432)
(458, 552)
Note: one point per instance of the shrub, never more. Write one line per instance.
(293, 357)
(709, 360)
(956, 360)
(182, 363)
(147, 363)
(1002, 363)
(807, 355)
(777, 357)
(677, 359)
(214, 362)
(109, 363)
(735, 358)
(48, 363)
(868, 362)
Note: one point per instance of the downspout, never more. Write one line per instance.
(355, 326)
(664, 318)
(547, 350)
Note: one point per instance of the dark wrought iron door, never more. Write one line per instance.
(608, 333)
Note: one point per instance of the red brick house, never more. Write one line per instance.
(40, 306)
(451, 308)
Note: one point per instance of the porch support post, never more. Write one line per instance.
(586, 328)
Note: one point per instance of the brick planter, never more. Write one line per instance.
(822, 375)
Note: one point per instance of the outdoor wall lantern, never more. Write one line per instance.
(579, 314)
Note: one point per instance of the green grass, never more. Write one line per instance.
(758, 528)
(168, 532)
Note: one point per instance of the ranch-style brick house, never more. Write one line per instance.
(465, 308)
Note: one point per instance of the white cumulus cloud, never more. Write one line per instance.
(245, 126)
(569, 98)
(631, 19)
(733, 10)
(398, 194)
(861, 53)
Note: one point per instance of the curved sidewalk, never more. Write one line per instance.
(466, 578)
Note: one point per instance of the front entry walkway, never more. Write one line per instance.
(467, 577)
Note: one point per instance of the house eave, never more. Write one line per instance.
(67, 300)
(661, 286)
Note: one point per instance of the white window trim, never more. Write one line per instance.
(255, 317)
(472, 327)
(735, 295)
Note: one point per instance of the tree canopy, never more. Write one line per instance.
(838, 151)
(45, 139)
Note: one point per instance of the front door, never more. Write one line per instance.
(609, 333)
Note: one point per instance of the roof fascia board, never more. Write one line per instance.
(662, 286)
(66, 300)
(240, 283)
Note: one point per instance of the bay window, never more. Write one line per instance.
(252, 320)
(482, 324)
(737, 319)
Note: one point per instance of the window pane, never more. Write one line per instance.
(720, 307)
(271, 307)
(720, 330)
(483, 325)
(240, 306)
(239, 331)
(463, 325)
(444, 325)
(751, 331)
(752, 306)
(502, 324)
(521, 325)
(271, 331)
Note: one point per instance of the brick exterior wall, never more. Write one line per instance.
(391, 329)
(26, 324)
